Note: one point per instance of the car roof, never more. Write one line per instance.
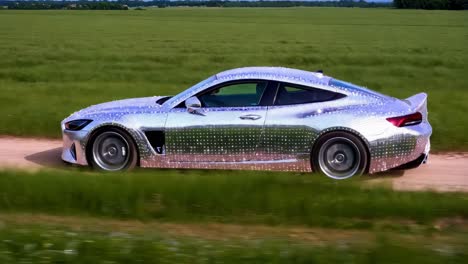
(280, 74)
(296, 76)
(275, 73)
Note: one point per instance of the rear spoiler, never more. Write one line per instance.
(418, 103)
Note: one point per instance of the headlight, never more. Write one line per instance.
(76, 125)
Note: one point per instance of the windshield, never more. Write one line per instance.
(163, 100)
(183, 94)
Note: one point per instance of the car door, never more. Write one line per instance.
(226, 128)
(294, 119)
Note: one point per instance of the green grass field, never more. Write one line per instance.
(271, 198)
(55, 62)
(180, 216)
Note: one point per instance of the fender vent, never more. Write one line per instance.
(157, 140)
(73, 151)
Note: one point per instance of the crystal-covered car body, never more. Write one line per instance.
(274, 134)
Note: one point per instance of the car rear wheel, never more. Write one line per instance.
(113, 150)
(340, 155)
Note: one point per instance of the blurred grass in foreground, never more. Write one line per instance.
(222, 196)
(56, 62)
(58, 244)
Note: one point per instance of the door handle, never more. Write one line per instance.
(250, 117)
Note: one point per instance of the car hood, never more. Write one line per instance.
(125, 106)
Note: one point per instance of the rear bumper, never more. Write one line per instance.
(413, 164)
(399, 147)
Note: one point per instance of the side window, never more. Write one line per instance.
(235, 94)
(289, 94)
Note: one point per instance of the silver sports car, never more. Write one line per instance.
(255, 118)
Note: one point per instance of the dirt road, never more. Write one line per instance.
(443, 172)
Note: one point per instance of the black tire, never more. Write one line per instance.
(112, 149)
(339, 155)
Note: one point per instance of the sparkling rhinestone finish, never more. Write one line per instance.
(278, 138)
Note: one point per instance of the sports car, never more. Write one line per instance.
(255, 118)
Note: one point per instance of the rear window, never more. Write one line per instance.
(350, 86)
(289, 94)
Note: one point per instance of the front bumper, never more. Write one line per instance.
(73, 150)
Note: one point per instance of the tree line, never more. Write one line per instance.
(279, 3)
(122, 4)
(81, 5)
(432, 4)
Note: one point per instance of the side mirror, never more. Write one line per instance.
(193, 105)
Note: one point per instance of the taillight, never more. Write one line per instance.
(407, 120)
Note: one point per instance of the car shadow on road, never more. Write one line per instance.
(48, 158)
(390, 174)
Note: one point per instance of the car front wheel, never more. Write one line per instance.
(113, 150)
